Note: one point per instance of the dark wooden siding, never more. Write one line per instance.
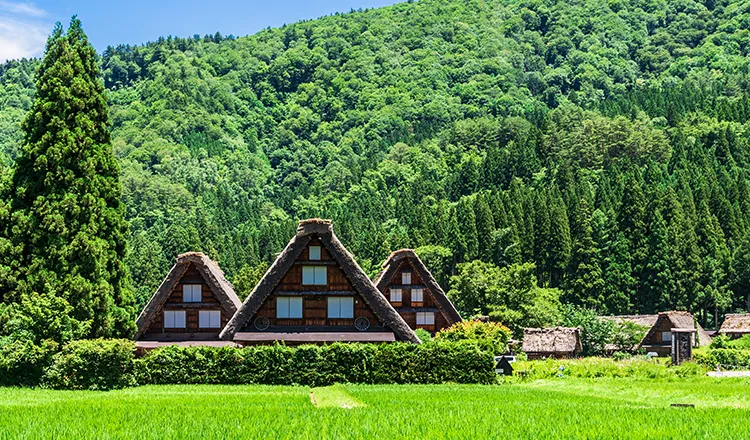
(408, 308)
(174, 302)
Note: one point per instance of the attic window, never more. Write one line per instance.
(209, 319)
(314, 252)
(174, 319)
(396, 295)
(191, 293)
(289, 307)
(341, 307)
(314, 275)
(666, 336)
(405, 278)
(417, 295)
(425, 318)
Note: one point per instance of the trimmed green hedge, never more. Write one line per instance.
(727, 358)
(317, 365)
(104, 364)
(99, 364)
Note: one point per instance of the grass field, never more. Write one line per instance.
(566, 408)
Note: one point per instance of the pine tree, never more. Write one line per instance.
(65, 196)
(558, 242)
(584, 282)
(485, 227)
(619, 284)
(657, 278)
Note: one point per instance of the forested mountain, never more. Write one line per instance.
(605, 142)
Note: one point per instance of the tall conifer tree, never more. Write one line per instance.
(67, 216)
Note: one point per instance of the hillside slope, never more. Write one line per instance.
(604, 141)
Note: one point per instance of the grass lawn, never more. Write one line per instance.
(564, 408)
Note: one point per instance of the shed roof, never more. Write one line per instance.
(210, 272)
(323, 230)
(390, 267)
(681, 320)
(552, 340)
(736, 323)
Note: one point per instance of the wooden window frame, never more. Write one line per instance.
(317, 256)
(405, 278)
(288, 300)
(339, 300)
(190, 297)
(423, 315)
(317, 273)
(174, 314)
(210, 315)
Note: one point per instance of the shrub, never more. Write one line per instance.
(99, 364)
(489, 336)
(22, 363)
(595, 367)
(423, 335)
(726, 358)
(434, 362)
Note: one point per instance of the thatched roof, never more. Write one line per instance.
(211, 273)
(735, 323)
(642, 320)
(552, 340)
(681, 320)
(323, 230)
(390, 267)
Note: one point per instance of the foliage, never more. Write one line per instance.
(490, 336)
(606, 143)
(23, 363)
(317, 365)
(726, 358)
(507, 294)
(594, 367)
(599, 334)
(67, 229)
(423, 335)
(98, 364)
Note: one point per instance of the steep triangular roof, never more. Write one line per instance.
(323, 230)
(390, 267)
(680, 319)
(210, 272)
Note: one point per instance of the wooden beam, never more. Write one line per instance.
(316, 292)
(315, 337)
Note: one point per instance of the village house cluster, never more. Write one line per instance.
(315, 292)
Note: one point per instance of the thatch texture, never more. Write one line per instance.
(642, 320)
(323, 230)
(679, 320)
(390, 267)
(735, 323)
(210, 272)
(556, 340)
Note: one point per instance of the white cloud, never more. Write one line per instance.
(27, 9)
(23, 32)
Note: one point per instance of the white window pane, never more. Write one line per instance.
(169, 319)
(417, 295)
(406, 278)
(295, 307)
(425, 318)
(314, 252)
(666, 336)
(215, 319)
(347, 307)
(204, 319)
(321, 275)
(395, 295)
(334, 307)
(282, 307)
(191, 293)
(430, 318)
(179, 319)
(308, 275)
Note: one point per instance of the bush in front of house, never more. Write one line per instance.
(490, 336)
(23, 363)
(726, 358)
(98, 364)
(313, 365)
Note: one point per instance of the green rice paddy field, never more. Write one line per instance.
(564, 408)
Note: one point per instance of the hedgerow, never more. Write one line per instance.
(726, 358)
(318, 365)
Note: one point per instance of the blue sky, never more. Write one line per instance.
(25, 25)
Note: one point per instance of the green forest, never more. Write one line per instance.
(536, 153)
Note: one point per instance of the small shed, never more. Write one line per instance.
(659, 337)
(556, 342)
(735, 325)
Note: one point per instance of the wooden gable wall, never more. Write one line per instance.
(407, 308)
(315, 298)
(175, 302)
